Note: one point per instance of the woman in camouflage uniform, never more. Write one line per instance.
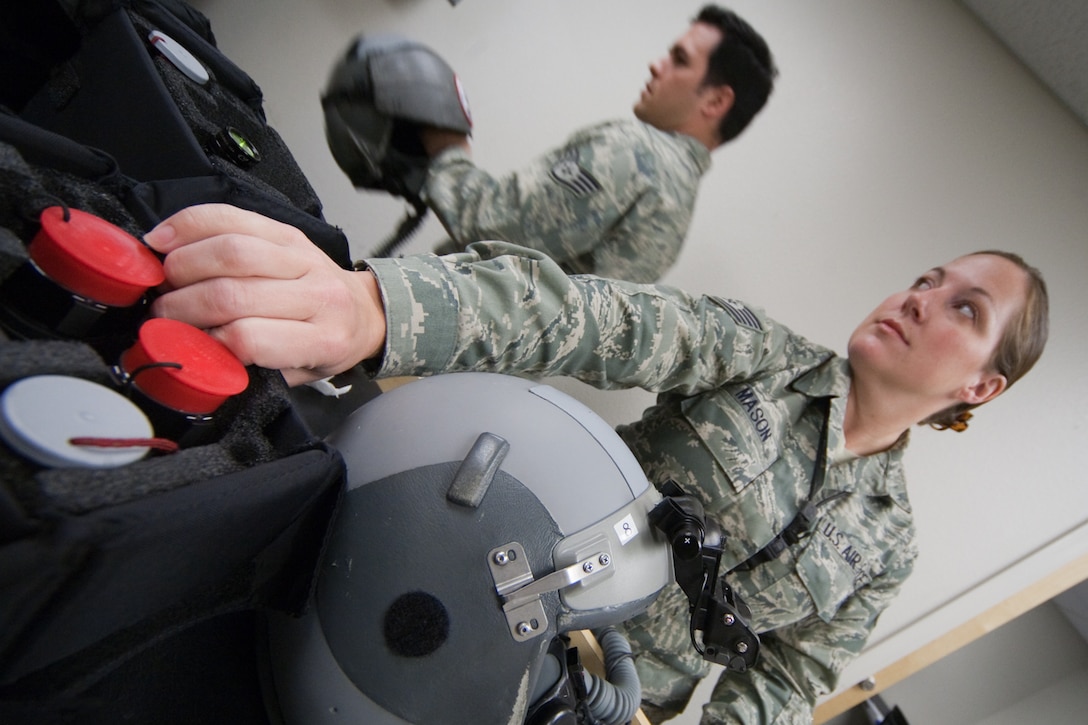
(743, 402)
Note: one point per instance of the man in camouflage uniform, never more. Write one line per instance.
(737, 423)
(617, 198)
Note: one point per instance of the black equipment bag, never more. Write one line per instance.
(107, 84)
(129, 594)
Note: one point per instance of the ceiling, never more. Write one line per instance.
(1050, 37)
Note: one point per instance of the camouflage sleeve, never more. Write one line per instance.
(503, 308)
(608, 202)
(645, 243)
(801, 662)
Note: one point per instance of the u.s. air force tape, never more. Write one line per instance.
(740, 314)
(567, 172)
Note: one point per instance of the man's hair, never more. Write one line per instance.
(742, 61)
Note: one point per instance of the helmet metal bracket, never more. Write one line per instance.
(520, 592)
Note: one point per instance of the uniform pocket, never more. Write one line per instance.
(738, 428)
(831, 570)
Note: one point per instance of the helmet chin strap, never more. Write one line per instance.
(408, 226)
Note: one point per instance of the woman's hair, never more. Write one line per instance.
(1020, 346)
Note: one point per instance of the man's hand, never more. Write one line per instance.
(437, 140)
(267, 292)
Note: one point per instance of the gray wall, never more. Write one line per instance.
(900, 135)
(1034, 669)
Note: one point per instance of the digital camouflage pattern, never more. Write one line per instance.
(615, 200)
(737, 422)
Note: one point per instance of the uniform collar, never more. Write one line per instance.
(830, 378)
(697, 151)
(883, 474)
(880, 474)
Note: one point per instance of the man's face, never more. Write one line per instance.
(672, 95)
(936, 339)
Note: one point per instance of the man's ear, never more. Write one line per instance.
(987, 387)
(718, 100)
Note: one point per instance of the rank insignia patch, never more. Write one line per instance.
(567, 172)
(740, 314)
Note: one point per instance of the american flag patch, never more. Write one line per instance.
(567, 172)
(740, 314)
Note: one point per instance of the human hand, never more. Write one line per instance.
(436, 140)
(264, 290)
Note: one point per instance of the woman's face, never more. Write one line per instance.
(936, 339)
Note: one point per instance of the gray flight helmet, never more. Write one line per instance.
(379, 92)
(484, 515)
